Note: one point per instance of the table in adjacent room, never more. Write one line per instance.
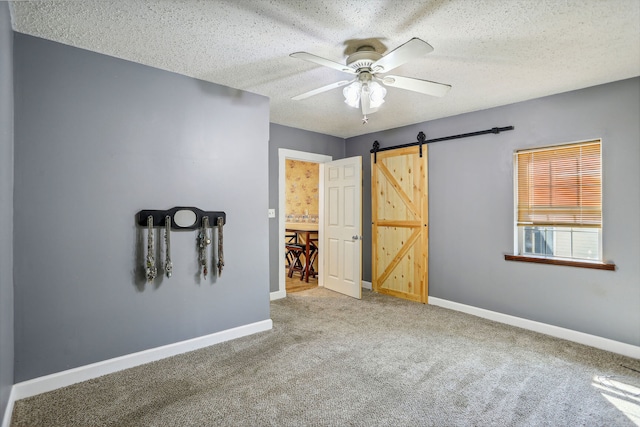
(309, 232)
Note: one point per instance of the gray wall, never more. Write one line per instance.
(96, 140)
(6, 206)
(292, 139)
(471, 210)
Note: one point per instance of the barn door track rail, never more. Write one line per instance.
(422, 140)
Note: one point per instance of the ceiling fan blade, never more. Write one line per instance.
(321, 89)
(416, 85)
(414, 48)
(322, 61)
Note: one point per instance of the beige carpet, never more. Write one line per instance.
(335, 361)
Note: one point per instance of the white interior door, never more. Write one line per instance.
(342, 237)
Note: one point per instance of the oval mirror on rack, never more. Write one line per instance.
(184, 218)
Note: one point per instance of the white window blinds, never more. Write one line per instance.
(560, 186)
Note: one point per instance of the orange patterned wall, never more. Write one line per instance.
(302, 181)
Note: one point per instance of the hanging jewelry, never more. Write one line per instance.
(220, 246)
(168, 265)
(151, 269)
(203, 241)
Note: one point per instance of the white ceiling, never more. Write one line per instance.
(493, 52)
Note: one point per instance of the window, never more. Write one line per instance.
(559, 202)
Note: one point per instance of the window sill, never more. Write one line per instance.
(583, 264)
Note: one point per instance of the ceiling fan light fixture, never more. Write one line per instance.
(352, 94)
(356, 91)
(377, 92)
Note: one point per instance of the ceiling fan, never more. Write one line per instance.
(367, 65)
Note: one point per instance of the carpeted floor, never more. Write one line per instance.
(335, 361)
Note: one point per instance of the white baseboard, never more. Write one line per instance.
(6, 419)
(555, 331)
(366, 285)
(277, 295)
(65, 378)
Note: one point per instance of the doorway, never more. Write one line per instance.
(302, 182)
(283, 156)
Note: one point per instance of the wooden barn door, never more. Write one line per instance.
(400, 235)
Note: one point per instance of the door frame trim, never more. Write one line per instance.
(284, 155)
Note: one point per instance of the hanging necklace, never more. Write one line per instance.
(150, 265)
(220, 246)
(203, 241)
(168, 265)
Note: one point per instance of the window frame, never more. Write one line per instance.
(520, 241)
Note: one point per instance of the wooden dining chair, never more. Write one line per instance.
(313, 254)
(288, 253)
(296, 261)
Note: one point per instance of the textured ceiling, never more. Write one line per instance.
(493, 52)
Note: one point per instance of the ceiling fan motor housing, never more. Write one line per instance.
(363, 58)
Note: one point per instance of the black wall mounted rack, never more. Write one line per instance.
(159, 217)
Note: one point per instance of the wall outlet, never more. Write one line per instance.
(272, 213)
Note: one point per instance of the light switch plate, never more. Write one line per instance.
(272, 213)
